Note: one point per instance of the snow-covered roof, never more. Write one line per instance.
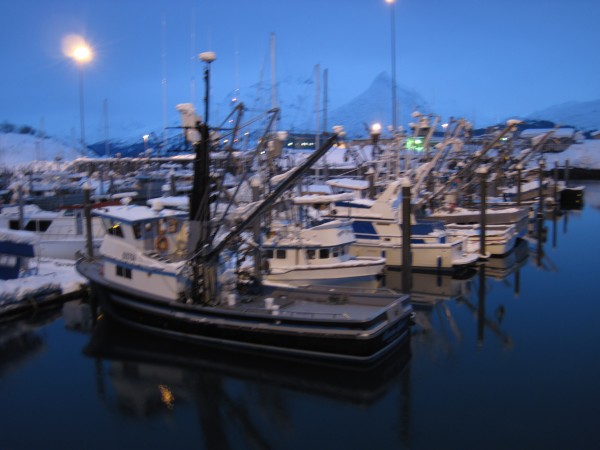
(349, 183)
(135, 213)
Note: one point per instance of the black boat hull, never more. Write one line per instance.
(352, 341)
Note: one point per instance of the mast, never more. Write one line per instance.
(193, 58)
(106, 143)
(164, 80)
(317, 105)
(325, 99)
(274, 104)
(199, 229)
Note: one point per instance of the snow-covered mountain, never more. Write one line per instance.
(375, 105)
(18, 150)
(582, 115)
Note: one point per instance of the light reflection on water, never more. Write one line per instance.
(502, 357)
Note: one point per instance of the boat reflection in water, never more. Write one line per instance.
(456, 310)
(20, 341)
(239, 397)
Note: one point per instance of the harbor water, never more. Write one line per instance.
(502, 356)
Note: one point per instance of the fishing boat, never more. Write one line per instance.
(149, 277)
(317, 255)
(61, 234)
(378, 227)
(499, 239)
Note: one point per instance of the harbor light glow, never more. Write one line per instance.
(76, 48)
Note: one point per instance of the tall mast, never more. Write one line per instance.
(193, 58)
(106, 143)
(325, 99)
(317, 105)
(164, 80)
(273, 74)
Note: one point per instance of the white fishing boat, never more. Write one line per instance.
(316, 255)
(148, 278)
(499, 239)
(377, 225)
(61, 233)
(494, 215)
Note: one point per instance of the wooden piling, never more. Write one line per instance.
(406, 237)
(87, 208)
(482, 171)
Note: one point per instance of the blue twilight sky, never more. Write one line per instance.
(484, 60)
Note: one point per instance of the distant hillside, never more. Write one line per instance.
(582, 115)
(18, 149)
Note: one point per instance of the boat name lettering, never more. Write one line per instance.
(128, 256)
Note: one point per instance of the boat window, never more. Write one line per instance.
(8, 261)
(123, 272)
(324, 253)
(14, 225)
(311, 253)
(38, 225)
(269, 254)
(173, 226)
(116, 230)
(336, 252)
(280, 254)
(137, 230)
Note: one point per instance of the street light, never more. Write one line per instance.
(77, 49)
(392, 4)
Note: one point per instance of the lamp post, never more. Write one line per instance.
(392, 4)
(81, 54)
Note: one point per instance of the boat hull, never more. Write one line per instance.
(356, 269)
(375, 324)
(446, 257)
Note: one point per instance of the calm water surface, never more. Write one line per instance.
(506, 358)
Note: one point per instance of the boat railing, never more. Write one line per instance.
(275, 312)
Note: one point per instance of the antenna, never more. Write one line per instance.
(106, 143)
(164, 80)
(236, 91)
(273, 74)
(325, 99)
(193, 58)
(317, 105)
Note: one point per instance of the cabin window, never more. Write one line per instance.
(8, 260)
(137, 230)
(324, 253)
(173, 226)
(280, 254)
(32, 225)
(336, 252)
(311, 254)
(269, 254)
(123, 272)
(116, 230)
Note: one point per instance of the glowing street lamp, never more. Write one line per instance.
(79, 51)
(392, 4)
(146, 136)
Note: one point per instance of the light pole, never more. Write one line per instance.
(81, 54)
(392, 4)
